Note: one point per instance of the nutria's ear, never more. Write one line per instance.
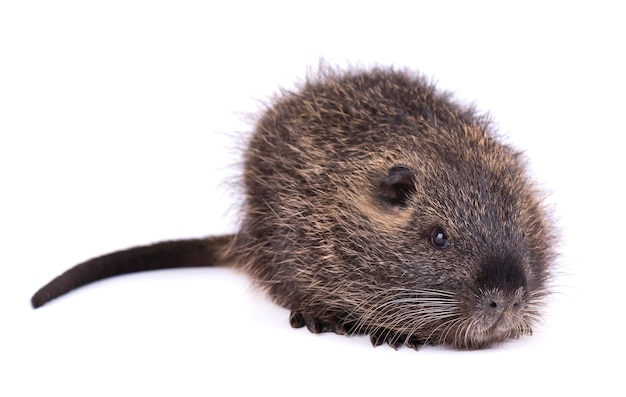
(398, 186)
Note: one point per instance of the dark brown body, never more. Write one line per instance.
(376, 205)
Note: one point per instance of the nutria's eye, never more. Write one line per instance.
(439, 238)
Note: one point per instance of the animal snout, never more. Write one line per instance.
(502, 283)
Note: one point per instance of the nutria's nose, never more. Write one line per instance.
(504, 302)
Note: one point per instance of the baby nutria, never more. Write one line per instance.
(375, 204)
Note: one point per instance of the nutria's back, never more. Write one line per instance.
(375, 204)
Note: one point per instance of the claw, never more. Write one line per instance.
(395, 341)
(315, 325)
(414, 343)
(344, 328)
(376, 338)
(296, 320)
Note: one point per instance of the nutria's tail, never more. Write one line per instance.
(168, 254)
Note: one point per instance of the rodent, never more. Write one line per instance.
(376, 204)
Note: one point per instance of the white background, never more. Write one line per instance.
(120, 125)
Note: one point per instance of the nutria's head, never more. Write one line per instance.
(466, 261)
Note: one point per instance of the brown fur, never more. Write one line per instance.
(377, 205)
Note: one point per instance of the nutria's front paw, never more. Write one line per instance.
(313, 324)
(393, 339)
